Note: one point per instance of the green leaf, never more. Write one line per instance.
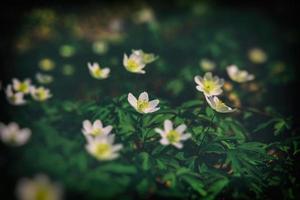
(195, 183)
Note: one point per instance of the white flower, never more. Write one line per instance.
(43, 78)
(16, 99)
(21, 86)
(95, 129)
(143, 105)
(11, 134)
(134, 63)
(237, 75)
(97, 72)
(209, 85)
(39, 187)
(216, 104)
(207, 65)
(173, 136)
(40, 93)
(146, 57)
(102, 147)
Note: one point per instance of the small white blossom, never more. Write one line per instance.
(134, 63)
(146, 57)
(43, 78)
(21, 86)
(11, 134)
(14, 98)
(95, 129)
(40, 187)
(142, 104)
(40, 93)
(173, 136)
(97, 72)
(216, 104)
(237, 75)
(209, 85)
(102, 147)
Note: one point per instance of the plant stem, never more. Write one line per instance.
(207, 128)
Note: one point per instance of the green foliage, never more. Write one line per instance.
(219, 154)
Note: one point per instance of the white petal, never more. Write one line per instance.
(185, 136)
(168, 125)
(97, 124)
(181, 128)
(144, 97)
(117, 147)
(164, 141)
(153, 103)
(107, 130)
(125, 60)
(159, 131)
(132, 100)
(198, 80)
(178, 145)
(87, 125)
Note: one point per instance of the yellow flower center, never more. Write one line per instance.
(173, 136)
(23, 87)
(96, 131)
(41, 94)
(97, 72)
(102, 150)
(132, 65)
(208, 86)
(42, 193)
(142, 105)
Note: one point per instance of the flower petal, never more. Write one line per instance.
(144, 97)
(168, 125)
(181, 128)
(132, 100)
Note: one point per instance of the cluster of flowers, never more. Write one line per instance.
(135, 63)
(15, 92)
(100, 140)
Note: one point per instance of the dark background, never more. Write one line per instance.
(283, 13)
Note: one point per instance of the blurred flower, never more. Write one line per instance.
(216, 104)
(257, 56)
(46, 64)
(253, 87)
(14, 98)
(237, 75)
(67, 51)
(173, 136)
(38, 188)
(134, 63)
(278, 68)
(146, 57)
(11, 134)
(68, 70)
(143, 105)
(40, 93)
(228, 86)
(102, 147)
(144, 15)
(21, 86)
(97, 72)
(235, 99)
(43, 78)
(95, 129)
(209, 85)
(207, 65)
(100, 47)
